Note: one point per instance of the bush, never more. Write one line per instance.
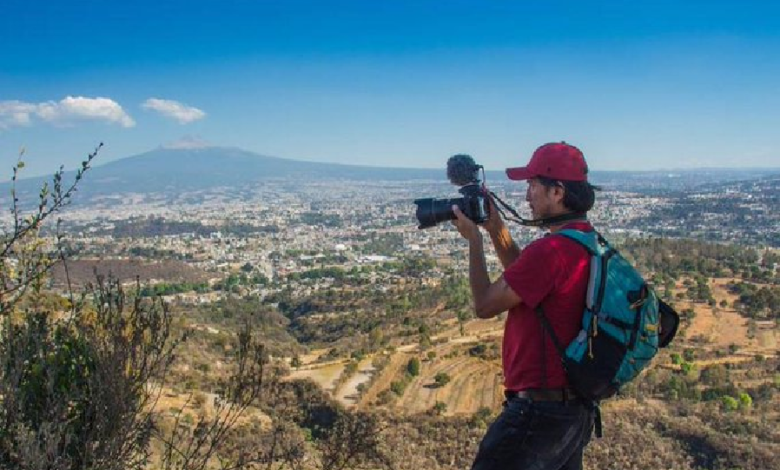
(745, 401)
(77, 388)
(689, 354)
(482, 416)
(398, 387)
(716, 375)
(729, 403)
(440, 408)
(442, 379)
(413, 367)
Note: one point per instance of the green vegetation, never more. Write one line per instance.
(700, 408)
(761, 303)
(318, 218)
(154, 226)
(441, 379)
(175, 288)
(78, 380)
(384, 244)
(413, 367)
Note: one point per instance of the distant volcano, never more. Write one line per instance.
(192, 165)
(191, 168)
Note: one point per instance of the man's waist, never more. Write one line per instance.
(563, 395)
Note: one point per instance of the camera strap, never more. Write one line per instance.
(543, 222)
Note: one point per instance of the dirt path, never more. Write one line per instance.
(348, 393)
(325, 376)
(397, 361)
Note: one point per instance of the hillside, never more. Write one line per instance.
(368, 332)
(82, 271)
(678, 406)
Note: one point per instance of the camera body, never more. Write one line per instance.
(474, 204)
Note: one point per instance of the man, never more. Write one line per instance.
(543, 425)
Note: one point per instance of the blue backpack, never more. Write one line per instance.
(623, 325)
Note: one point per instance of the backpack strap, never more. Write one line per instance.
(591, 241)
(595, 244)
(593, 405)
(548, 327)
(597, 247)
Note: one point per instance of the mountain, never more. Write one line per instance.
(176, 170)
(167, 170)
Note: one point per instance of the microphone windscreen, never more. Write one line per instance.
(462, 170)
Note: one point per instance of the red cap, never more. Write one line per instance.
(557, 161)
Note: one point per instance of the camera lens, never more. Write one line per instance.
(432, 211)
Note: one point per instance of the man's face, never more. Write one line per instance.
(543, 200)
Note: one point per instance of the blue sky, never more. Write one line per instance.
(636, 85)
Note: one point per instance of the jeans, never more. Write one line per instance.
(542, 435)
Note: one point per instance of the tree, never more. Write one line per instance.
(442, 379)
(24, 257)
(716, 375)
(413, 367)
(398, 387)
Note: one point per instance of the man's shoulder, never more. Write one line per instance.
(554, 244)
(543, 244)
(542, 250)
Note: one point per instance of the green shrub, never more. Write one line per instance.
(689, 354)
(413, 367)
(442, 379)
(745, 401)
(398, 387)
(729, 403)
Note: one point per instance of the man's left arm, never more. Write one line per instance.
(490, 299)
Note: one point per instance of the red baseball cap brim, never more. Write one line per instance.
(519, 173)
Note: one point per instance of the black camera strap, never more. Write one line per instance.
(543, 222)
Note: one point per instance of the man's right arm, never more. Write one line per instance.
(505, 246)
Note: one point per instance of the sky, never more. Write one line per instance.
(403, 83)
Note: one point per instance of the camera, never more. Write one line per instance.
(461, 171)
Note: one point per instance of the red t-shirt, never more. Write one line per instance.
(552, 271)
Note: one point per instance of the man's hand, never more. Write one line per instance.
(467, 228)
(494, 224)
(505, 246)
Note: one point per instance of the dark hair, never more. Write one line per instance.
(578, 196)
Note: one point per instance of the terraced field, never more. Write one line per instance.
(477, 383)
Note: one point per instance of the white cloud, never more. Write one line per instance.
(65, 111)
(15, 113)
(173, 109)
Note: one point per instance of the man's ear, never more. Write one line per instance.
(558, 192)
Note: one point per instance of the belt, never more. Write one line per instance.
(563, 395)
